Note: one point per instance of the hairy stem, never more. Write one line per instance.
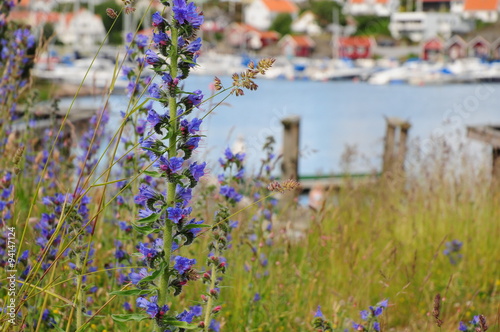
(213, 279)
(172, 152)
(78, 295)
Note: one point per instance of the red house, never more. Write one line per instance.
(456, 48)
(479, 47)
(301, 46)
(432, 49)
(355, 47)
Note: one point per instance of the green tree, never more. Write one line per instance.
(282, 24)
(372, 26)
(324, 11)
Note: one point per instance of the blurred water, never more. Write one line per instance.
(334, 114)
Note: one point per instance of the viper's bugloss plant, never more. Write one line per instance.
(370, 318)
(477, 324)
(17, 46)
(172, 136)
(320, 324)
(453, 251)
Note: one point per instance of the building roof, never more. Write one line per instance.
(433, 44)
(456, 40)
(476, 5)
(368, 2)
(302, 40)
(478, 40)
(281, 6)
(355, 41)
(269, 35)
(34, 17)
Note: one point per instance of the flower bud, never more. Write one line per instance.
(111, 13)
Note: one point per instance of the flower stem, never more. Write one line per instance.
(213, 279)
(78, 296)
(172, 152)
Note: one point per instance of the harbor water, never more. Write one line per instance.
(335, 115)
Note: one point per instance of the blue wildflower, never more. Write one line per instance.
(175, 214)
(157, 19)
(197, 171)
(187, 13)
(318, 312)
(154, 91)
(142, 41)
(170, 166)
(183, 264)
(161, 38)
(136, 277)
(194, 46)
(195, 98)
(152, 58)
(230, 193)
(214, 326)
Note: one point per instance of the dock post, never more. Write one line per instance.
(496, 164)
(290, 163)
(390, 137)
(403, 145)
(489, 134)
(395, 145)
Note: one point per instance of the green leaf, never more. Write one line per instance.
(59, 329)
(132, 292)
(145, 229)
(150, 219)
(129, 317)
(152, 173)
(155, 274)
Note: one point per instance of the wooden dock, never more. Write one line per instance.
(490, 135)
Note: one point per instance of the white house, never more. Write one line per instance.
(371, 7)
(306, 24)
(484, 10)
(261, 13)
(82, 29)
(419, 26)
